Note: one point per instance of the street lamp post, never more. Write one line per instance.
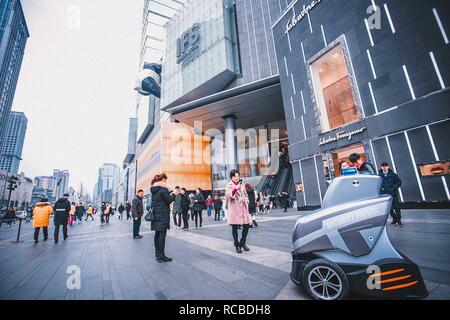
(6, 180)
(13, 184)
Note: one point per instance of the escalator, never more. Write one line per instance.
(283, 181)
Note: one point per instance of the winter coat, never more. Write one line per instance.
(41, 214)
(128, 207)
(237, 205)
(121, 209)
(199, 202)
(209, 202)
(79, 210)
(137, 208)
(61, 212)
(218, 204)
(284, 200)
(161, 199)
(367, 168)
(390, 183)
(177, 208)
(185, 202)
(251, 200)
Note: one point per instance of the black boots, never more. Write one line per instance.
(243, 246)
(162, 257)
(165, 259)
(238, 247)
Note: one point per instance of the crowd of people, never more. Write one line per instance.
(238, 207)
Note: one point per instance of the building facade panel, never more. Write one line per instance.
(393, 84)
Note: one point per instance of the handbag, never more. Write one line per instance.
(149, 216)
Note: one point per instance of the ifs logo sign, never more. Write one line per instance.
(188, 44)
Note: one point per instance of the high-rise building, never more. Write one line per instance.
(62, 182)
(13, 142)
(45, 185)
(108, 178)
(13, 37)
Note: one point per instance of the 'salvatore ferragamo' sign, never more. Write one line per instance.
(341, 135)
(296, 19)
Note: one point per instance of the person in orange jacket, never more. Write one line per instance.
(41, 218)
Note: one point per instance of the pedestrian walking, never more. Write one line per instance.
(79, 212)
(72, 214)
(162, 199)
(185, 202)
(209, 205)
(191, 206)
(121, 209)
(390, 184)
(137, 210)
(251, 203)
(102, 213)
(61, 216)
(237, 206)
(260, 201)
(108, 211)
(177, 210)
(128, 209)
(217, 207)
(284, 203)
(41, 218)
(199, 203)
(90, 212)
(267, 203)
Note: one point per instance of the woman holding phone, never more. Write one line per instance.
(237, 204)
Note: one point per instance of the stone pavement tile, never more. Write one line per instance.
(91, 289)
(129, 278)
(257, 289)
(292, 292)
(439, 292)
(215, 270)
(28, 279)
(142, 292)
(57, 287)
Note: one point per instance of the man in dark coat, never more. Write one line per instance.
(161, 199)
(177, 210)
(185, 202)
(362, 166)
(79, 210)
(121, 209)
(284, 203)
(199, 205)
(128, 209)
(137, 210)
(390, 184)
(61, 216)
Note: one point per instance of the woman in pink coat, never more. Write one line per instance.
(237, 205)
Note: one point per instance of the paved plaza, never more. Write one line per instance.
(205, 265)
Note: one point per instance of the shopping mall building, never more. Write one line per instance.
(312, 80)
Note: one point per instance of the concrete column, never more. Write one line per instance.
(253, 155)
(231, 142)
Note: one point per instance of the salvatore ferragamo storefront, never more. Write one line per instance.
(365, 79)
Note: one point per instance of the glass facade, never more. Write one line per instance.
(333, 90)
(200, 46)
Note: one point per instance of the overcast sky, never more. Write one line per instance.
(76, 84)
